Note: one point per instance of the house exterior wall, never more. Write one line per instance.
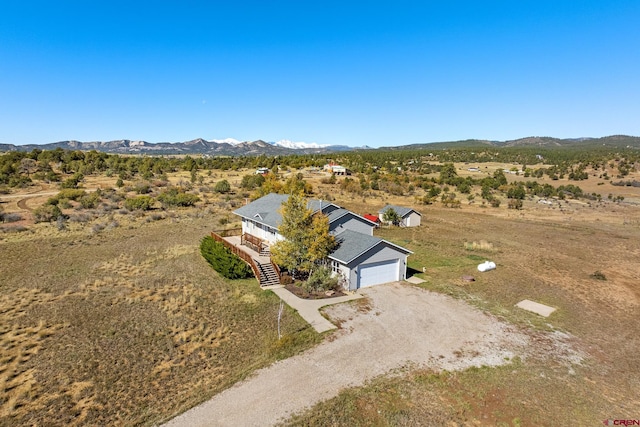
(411, 220)
(260, 230)
(339, 269)
(350, 222)
(377, 254)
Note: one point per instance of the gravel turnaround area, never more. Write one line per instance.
(398, 327)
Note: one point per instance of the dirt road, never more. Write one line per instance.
(402, 326)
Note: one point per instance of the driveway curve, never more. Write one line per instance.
(399, 326)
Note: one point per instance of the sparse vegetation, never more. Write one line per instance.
(47, 213)
(154, 331)
(177, 197)
(140, 203)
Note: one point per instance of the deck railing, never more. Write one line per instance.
(254, 242)
(230, 232)
(277, 269)
(239, 252)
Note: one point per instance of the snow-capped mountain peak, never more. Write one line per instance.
(298, 145)
(230, 141)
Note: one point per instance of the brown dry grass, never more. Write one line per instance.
(127, 326)
(545, 259)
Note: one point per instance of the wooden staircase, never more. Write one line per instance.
(268, 275)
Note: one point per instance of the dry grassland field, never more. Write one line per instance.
(114, 318)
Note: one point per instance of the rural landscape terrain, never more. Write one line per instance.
(111, 316)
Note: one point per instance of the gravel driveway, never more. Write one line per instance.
(401, 326)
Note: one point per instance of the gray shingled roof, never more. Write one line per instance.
(337, 214)
(315, 204)
(265, 210)
(353, 244)
(400, 210)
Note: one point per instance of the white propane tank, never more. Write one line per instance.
(486, 266)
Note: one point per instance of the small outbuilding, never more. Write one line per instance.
(409, 217)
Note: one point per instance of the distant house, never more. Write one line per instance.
(408, 217)
(336, 169)
(360, 258)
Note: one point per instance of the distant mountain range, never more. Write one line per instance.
(224, 147)
(232, 147)
(614, 141)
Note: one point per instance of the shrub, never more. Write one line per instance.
(61, 223)
(251, 182)
(142, 188)
(464, 187)
(47, 213)
(80, 217)
(516, 192)
(64, 204)
(320, 280)
(14, 229)
(177, 197)
(330, 180)
(222, 260)
(222, 186)
(98, 228)
(515, 204)
(155, 217)
(10, 217)
(90, 201)
(72, 182)
(70, 194)
(140, 203)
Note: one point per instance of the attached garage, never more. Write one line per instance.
(365, 261)
(378, 272)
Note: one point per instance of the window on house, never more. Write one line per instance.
(335, 266)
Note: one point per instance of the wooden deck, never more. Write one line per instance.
(236, 242)
(263, 268)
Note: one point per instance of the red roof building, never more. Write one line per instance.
(372, 218)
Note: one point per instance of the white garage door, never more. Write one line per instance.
(377, 273)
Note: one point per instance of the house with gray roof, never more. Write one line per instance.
(408, 217)
(360, 258)
(364, 260)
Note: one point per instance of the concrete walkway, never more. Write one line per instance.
(308, 309)
(404, 327)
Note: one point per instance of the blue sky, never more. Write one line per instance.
(331, 72)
